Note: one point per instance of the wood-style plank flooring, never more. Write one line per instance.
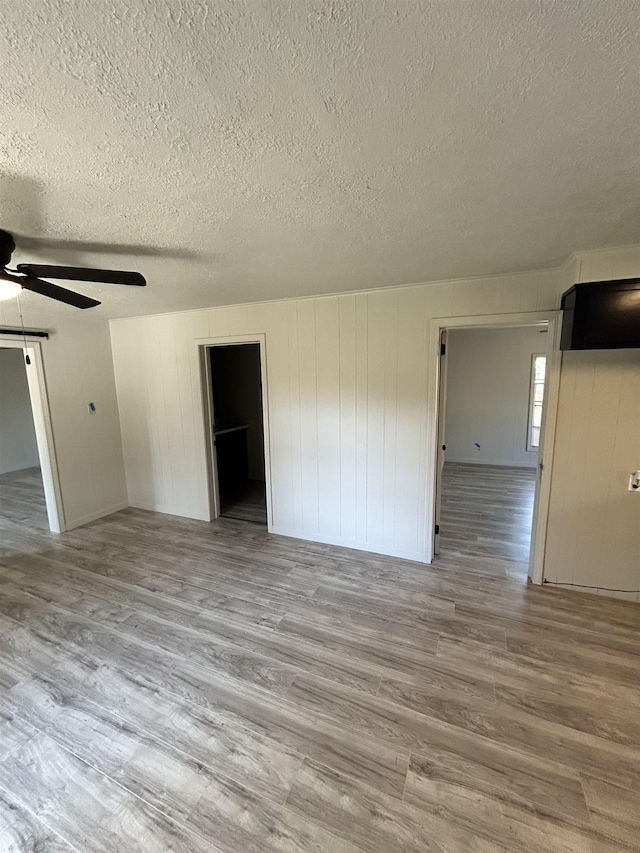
(171, 685)
(486, 518)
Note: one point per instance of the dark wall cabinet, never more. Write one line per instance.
(602, 315)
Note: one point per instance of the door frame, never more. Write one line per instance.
(553, 321)
(204, 345)
(443, 340)
(43, 427)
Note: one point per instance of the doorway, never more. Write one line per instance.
(29, 487)
(237, 431)
(495, 387)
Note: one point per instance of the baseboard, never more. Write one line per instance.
(165, 509)
(628, 595)
(414, 556)
(94, 516)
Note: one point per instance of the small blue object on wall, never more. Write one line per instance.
(477, 445)
(92, 408)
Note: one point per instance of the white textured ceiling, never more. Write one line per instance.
(262, 149)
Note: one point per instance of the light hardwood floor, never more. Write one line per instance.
(171, 685)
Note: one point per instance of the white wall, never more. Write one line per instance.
(594, 521)
(347, 397)
(487, 400)
(79, 369)
(18, 448)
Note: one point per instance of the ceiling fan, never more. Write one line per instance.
(27, 277)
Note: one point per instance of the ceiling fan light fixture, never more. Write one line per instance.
(9, 290)
(27, 277)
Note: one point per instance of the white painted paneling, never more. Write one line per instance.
(78, 370)
(347, 397)
(348, 407)
(488, 386)
(309, 455)
(377, 498)
(327, 339)
(18, 447)
(594, 521)
(608, 264)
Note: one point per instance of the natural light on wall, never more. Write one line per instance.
(9, 290)
(536, 399)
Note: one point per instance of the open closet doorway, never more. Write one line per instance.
(237, 430)
(496, 401)
(29, 487)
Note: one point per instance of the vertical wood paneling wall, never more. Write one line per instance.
(347, 396)
(594, 521)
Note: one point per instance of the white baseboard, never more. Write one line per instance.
(414, 556)
(166, 509)
(94, 516)
(630, 595)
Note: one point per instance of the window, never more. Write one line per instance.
(536, 398)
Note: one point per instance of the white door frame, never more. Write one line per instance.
(204, 344)
(44, 430)
(440, 430)
(553, 321)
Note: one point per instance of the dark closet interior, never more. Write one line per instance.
(238, 431)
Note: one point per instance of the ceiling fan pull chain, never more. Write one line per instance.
(24, 337)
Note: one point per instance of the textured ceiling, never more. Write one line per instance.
(238, 151)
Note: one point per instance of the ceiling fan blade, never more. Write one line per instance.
(84, 274)
(61, 294)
